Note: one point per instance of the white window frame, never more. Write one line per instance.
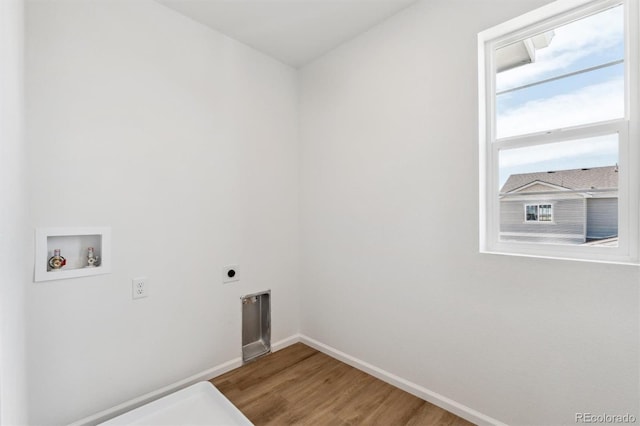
(538, 205)
(548, 17)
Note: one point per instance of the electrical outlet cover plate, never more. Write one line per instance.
(230, 273)
(139, 287)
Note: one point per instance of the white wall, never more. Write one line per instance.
(14, 236)
(390, 265)
(185, 143)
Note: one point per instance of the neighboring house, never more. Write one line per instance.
(565, 206)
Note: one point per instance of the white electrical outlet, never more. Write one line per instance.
(230, 273)
(139, 287)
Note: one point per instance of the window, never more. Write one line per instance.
(538, 213)
(559, 133)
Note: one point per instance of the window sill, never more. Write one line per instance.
(561, 258)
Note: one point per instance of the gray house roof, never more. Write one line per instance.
(574, 179)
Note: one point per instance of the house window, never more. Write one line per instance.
(559, 133)
(538, 213)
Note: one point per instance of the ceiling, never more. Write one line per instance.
(292, 31)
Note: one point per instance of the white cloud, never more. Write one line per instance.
(602, 146)
(571, 43)
(593, 103)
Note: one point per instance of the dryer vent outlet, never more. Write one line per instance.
(256, 325)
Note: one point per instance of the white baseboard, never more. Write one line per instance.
(281, 344)
(414, 389)
(208, 374)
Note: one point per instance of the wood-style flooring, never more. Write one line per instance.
(301, 386)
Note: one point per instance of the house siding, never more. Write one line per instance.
(568, 225)
(602, 217)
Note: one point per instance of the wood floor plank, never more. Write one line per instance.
(405, 406)
(317, 407)
(336, 389)
(268, 366)
(301, 386)
(430, 414)
(263, 410)
(308, 387)
(361, 404)
(298, 379)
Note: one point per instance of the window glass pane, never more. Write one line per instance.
(568, 191)
(532, 213)
(569, 76)
(545, 213)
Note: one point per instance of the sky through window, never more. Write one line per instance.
(586, 97)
